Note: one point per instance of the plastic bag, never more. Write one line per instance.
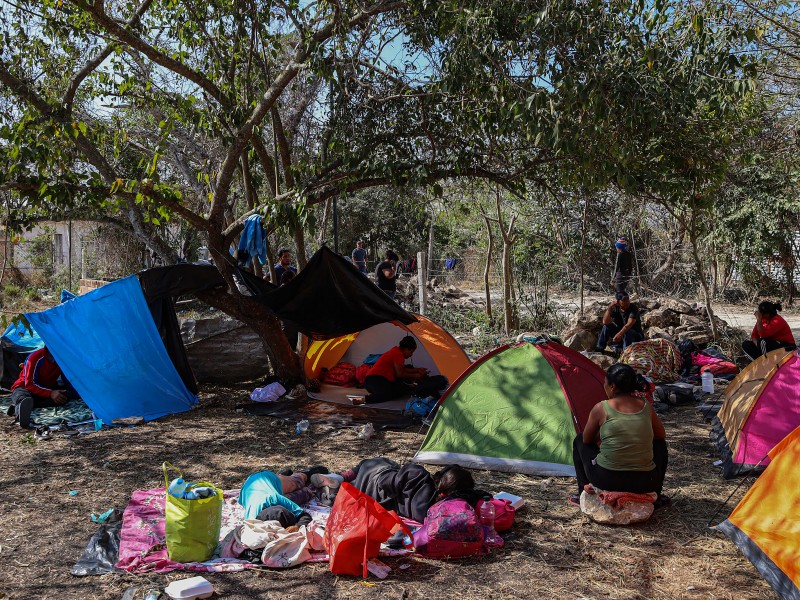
(192, 526)
(356, 528)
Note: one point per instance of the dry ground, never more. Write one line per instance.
(552, 552)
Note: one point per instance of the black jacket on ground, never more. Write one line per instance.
(409, 490)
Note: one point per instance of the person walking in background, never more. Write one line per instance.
(623, 265)
(386, 274)
(770, 332)
(359, 257)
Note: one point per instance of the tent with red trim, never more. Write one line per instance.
(516, 409)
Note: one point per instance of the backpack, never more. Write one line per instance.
(451, 530)
(421, 407)
(503, 514)
(342, 374)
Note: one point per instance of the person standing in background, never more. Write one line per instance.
(623, 265)
(359, 257)
(386, 274)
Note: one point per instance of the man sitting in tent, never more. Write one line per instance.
(40, 385)
(390, 378)
(621, 324)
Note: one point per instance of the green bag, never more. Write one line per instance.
(192, 526)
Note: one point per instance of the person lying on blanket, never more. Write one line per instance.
(269, 496)
(390, 378)
(40, 385)
(633, 455)
(408, 490)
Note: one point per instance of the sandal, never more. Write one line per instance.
(662, 502)
(574, 499)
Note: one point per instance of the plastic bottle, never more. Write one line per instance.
(177, 488)
(486, 516)
(302, 426)
(708, 382)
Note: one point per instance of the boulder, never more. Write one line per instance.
(658, 333)
(601, 360)
(646, 305)
(679, 306)
(700, 338)
(688, 320)
(223, 350)
(582, 340)
(661, 317)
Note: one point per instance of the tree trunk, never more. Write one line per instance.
(300, 247)
(486, 287)
(285, 361)
(698, 264)
(583, 245)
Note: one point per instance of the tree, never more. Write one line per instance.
(209, 111)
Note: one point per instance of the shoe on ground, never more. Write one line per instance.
(662, 501)
(330, 480)
(574, 499)
(24, 409)
(43, 433)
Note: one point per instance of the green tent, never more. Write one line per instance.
(516, 409)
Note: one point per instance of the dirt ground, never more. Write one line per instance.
(552, 551)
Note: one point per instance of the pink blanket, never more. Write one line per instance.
(142, 543)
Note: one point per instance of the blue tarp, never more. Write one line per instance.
(107, 345)
(21, 339)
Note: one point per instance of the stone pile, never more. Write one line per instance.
(439, 293)
(670, 319)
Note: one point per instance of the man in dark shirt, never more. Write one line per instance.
(359, 257)
(386, 274)
(284, 264)
(623, 265)
(621, 324)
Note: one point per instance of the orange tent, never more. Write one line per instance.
(436, 349)
(766, 523)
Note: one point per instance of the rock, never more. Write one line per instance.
(658, 333)
(645, 305)
(700, 338)
(601, 360)
(690, 320)
(661, 317)
(582, 340)
(454, 292)
(679, 306)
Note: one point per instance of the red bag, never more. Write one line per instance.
(362, 372)
(356, 528)
(343, 374)
(503, 514)
(722, 367)
(451, 530)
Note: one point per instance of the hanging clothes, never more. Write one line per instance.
(253, 242)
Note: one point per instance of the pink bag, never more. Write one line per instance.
(503, 514)
(698, 358)
(451, 530)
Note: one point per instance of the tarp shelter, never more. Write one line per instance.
(766, 523)
(516, 409)
(108, 346)
(436, 349)
(761, 407)
(17, 342)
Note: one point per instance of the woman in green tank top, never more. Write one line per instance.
(623, 447)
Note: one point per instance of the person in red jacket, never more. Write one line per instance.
(770, 333)
(38, 386)
(390, 378)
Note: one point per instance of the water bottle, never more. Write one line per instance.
(177, 488)
(486, 516)
(708, 382)
(302, 427)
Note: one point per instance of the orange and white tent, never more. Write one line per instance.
(436, 349)
(766, 523)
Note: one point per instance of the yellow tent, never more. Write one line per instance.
(766, 523)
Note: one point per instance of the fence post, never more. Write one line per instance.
(422, 280)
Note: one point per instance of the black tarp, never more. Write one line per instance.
(330, 298)
(327, 299)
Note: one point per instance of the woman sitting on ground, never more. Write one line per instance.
(770, 333)
(633, 454)
(408, 490)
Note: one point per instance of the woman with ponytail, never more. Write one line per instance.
(770, 333)
(633, 454)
